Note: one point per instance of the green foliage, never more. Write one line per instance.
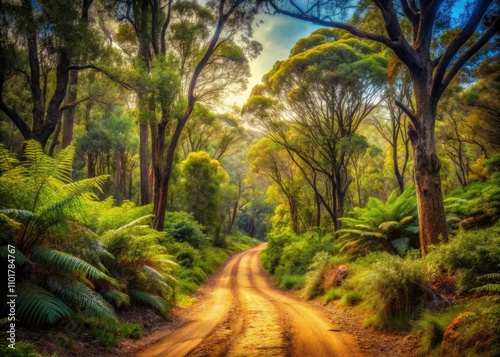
(142, 265)
(39, 197)
(187, 231)
(109, 333)
(431, 327)
(331, 295)
(105, 216)
(351, 298)
(390, 226)
(37, 306)
(314, 277)
(289, 281)
(202, 177)
(468, 256)
(22, 349)
(394, 286)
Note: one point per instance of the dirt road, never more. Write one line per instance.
(246, 316)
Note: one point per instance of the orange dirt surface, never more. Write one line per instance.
(245, 315)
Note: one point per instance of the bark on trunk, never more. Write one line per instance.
(144, 165)
(431, 214)
(69, 114)
(161, 208)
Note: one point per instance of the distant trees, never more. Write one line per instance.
(313, 103)
(431, 73)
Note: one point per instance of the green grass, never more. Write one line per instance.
(351, 298)
(292, 281)
(332, 295)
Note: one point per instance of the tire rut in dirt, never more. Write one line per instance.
(260, 323)
(218, 342)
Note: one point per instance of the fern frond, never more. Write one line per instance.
(38, 306)
(83, 297)
(488, 288)
(19, 214)
(119, 298)
(135, 222)
(68, 262)
(154, 301)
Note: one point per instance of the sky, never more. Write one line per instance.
(277, 34)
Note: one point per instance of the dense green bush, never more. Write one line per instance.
(395, 287)
(468, 256)
(184, 228)
(314, 277)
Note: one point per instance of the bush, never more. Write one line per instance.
(468, 256)
(331, 295)
(396, 286)
(314, 278)
(351, 298)
(289, 281)
(186, 231)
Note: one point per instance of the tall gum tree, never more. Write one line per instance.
(313, 103)
(55, 38)
(431, 73)
(211, 75)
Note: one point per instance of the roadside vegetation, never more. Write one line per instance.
(369, 158)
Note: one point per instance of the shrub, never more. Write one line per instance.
(331, 295)
(468, 256)
(289, 281)
(351, 298)
(183, 228)
(314, 278)
(396, 286)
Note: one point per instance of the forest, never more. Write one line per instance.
(368, 159)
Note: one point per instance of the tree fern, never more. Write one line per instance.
(37, 306)
(82, 297)
(389, 226)
(36, 195)
(67, 262)
(154, 301)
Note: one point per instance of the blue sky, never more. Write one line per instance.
(277, 34)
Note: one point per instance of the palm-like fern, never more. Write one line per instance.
(142, 266)
(390, 226)
(36, 195)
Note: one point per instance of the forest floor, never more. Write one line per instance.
(240, 312)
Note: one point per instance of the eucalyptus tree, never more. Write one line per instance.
(221, 64)
(314, 102)
(198, 57)
(431, 72)
(271, 162)
(392, 123)
(40, 39)
(217, 134)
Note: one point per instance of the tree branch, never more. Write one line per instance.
(73, 104)
(103, 71)
(408, 112)
(439, 88)
(457, 43)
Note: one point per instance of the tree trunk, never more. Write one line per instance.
(431, 214)
(69, 114)
(144, 165)
(161, 208)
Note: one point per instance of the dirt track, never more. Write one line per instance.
(246, 316)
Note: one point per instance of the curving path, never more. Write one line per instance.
(247, 316)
